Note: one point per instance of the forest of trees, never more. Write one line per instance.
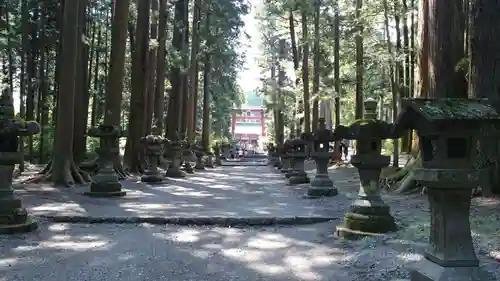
(174, 65)
(132, 64)
(346, 51)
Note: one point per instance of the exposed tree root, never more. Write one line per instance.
(401, 181)
(92, 167)
(46, 168)
(69, 176)
(340, 164)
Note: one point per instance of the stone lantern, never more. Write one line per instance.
(217, 152)
(285, 157)
(321, 185)
(200, 155)
(448, 131)
(175, 151)
(369, 214)
(188, 157)
(13, 217)
(276, 156)
(209, 160)
(154, 145)
(106, 182)
(271, 154)
(298, 155)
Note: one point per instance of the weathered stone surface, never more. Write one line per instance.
(427, 270)
(369, 214)
(298, 155)
(13, 217)
(448, 131)
(153, 144)
(106, 182)
(174, 170)
(27, 225)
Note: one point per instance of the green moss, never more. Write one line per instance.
(461, 109)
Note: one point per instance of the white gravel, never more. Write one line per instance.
(146, 252)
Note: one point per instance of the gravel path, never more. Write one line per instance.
(145, 252)
(235, 191)
(180, 253)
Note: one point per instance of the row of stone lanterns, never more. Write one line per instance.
(178, 152)
(448, 131)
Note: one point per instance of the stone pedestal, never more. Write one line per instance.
(286, 163)
(292, 167)
(369, 214)
(174, 170)
(106, 182)
(153, 144)
(427, 270)
(200, 155)
(217, 156)
(298, 174)
(321, 185)
(279, 162)
(274, 159)
(209, 160)
(450, 253)
(13, 217)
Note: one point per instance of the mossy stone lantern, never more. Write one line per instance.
(200, 154)
(369, 214)
(448, 131)
(298, 156)
(321, 185)
(286, 158)
(188, 157)
(217, 152)
(13, 217)
(175, 151)
(209, 160)
(106, 182)
(153, 144)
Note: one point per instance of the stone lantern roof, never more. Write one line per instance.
(434, 115)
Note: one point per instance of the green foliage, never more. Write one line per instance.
(274, 25)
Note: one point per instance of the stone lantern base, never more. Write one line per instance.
(102, 188)
(322, 184)
(199, 163)
(298, 178)
(317, 192)
(427, 270)
(286, 165)
(30, 224)
(14, 218)
(152, 177)
(209, 161)
(367, 218)
(174, 171)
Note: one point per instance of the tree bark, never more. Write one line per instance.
(359, 61)
(446, 49)
(160, 69)
(64, 171)
(136, 130)
(305, 72)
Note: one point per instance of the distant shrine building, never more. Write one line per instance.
(248, 122)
